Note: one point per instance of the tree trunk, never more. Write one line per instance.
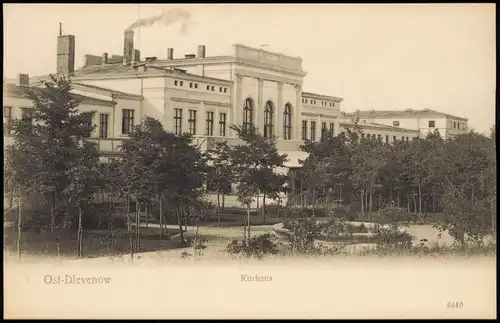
(264, 208)
(19, 223)
(391, 197)
(414, 202)
(137, 225)
(129, 229)
(379, 204)
(313, 200)
(218, 208)
(433, 204)
(179, 222)
(399, 198)
(161, 216)
(80, 232)
(53, 214)
(362, 204)
(419, 200)
(196, 237)
(408, 202)
(258, 197)
(248, 220)
(370, 206)
(223, 200)
(146, 209)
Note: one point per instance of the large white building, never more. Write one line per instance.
(199, 94)
(424, 121)
(204, 95)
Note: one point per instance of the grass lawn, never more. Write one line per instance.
(96, 243)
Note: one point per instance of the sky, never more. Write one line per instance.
(378, 56)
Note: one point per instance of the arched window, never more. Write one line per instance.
(247, 114)
(287, 122)
(268, 120)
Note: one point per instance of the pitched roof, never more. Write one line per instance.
(321, 96)
(130, 70)
(409, 113)
(14, 90)
(378, 126)
(99, 89)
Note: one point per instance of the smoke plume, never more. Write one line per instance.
(166, 18)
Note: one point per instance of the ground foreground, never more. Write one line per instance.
(293, 287)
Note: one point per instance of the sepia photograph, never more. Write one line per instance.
(249, 161)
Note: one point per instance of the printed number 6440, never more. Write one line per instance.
(454, 304)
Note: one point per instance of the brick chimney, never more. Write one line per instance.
(128, 45)
(66, 54)
(104, 58)
(137, 55)
(201, 51)
(23, 80)
(170, 53)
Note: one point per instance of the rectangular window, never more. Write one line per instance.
(395, 123)
(181, 83)
(210, 123)
(195, 85)
(103, 125)
(213, 88)
(127, 121)
(313, 130)
(90, 128)
(222, 124)
(176, 83)
(323, 130)
(386, 138)
(208, 87)
(225, 89)
(407, 138)
(379, 137)
(432, 124)
(362, 136)
(192, 122)
(394, 139)
(304, 130)
(190, 84)
(27, 114)
(178, 122)
(220, 89)
(454, 125)
(332, 129)
(7, 120)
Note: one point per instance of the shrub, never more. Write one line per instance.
(257, 246)
(394, 215)
(391, 237)
(336, 227)
(303, 232)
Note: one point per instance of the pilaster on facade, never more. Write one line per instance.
(297, 113)
(260, 103)
(234, 118)
(279, 113)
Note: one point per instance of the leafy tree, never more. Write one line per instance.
(84, 176)
(59, 129)
(251, 163)
(221, 177)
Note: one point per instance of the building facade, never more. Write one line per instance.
(424, 121)
(205, 95)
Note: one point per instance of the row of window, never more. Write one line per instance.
(431, 124)
(209, 122)
(379, 137)
(459, 125)
(323, 103)
(195, 86)
(325, 132)
(248, 109)
(27, 115)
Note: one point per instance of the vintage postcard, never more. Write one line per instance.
(249, 161)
